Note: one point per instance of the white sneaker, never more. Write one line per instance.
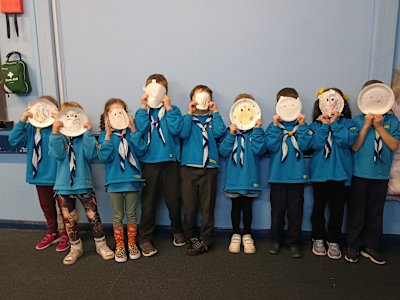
(248, 244)
(234, 246)
(102, 248)
(75, 252)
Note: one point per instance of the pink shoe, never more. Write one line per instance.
(49, 239)
(63, 243)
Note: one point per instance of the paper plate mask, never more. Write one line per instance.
(73, 119)
(41, 110)
(202, 99)
(245, 113)
(377, 98)
(330, 101)
(288, 108)
(155, 92)
(118, 118)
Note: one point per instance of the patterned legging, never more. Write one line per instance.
(70, 215)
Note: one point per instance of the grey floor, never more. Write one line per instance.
(30, 274)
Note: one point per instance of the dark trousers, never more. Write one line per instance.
(161, 179)
(199, 189)
(70, 214)
(48, 200)
(332, 194)
(286, 199)
(242, 204)
(365, 213)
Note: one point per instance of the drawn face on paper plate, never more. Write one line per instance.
(244, 113)
(72, 121)
(330, 102)
(118, 118)
(202, 99)
(156, 93)
(42, 113)
(377, 98)
(288, 108)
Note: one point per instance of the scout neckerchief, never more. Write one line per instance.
(328, 144)
(156, 124)
(235, 153)
(290, 134)
(203, 128)
(124, 151)
(37, 151)
(377, 147)
(71, 156)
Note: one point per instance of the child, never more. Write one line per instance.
(41, 171)
(374, 147)
(333, 135)
(160, 166)
(76, 154)
(119, 149)
(242, 182)
(286, 142)
(199, 170)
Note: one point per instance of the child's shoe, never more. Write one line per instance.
(47, 240)
(295, 251)
(148, 249)
(334, 251)
(63, 243)
(318, 248)
(102, 248)
(275, 248)
(248, 244)
(352, 255)
(75, 252)
(234, 246)
(134, 252)
(179, 240)
(196, 247)
(373, 255)
(120, 255)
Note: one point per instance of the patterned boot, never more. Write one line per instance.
(75, 252)
(134, 252)
(102, 248)
(120, 255)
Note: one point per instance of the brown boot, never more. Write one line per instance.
(134, 252)
(120, 255)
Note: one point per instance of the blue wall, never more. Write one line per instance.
(232, 46)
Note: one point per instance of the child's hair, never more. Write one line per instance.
(107, 108)
(346, 112)
(159, 78)
(50, 98)
(372, 81)
(70, 104)
(201, 88)
(287, 92)
(244, 95)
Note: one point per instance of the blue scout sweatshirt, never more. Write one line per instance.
(85, 151)
(22, 135)
(244, 179)
(364, 165)
(192, 146)
(171, 126)
(108, 154)
(338, 166)
(292, 169)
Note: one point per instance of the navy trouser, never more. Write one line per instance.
(332, 194)
(287, 199)
(199, 190)
(365, 213)
(161, 179)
